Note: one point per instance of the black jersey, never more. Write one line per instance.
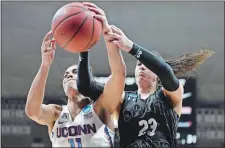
(147, 123)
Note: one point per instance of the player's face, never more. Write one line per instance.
(144, 76)
(69, 80)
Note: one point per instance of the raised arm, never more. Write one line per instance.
(35, 110)
(171, 86)
(86, 84)
(114, 86)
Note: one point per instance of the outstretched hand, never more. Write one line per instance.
(48, 50)
(100, 15)
(118, 38)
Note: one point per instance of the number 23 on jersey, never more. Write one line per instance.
(149, 126)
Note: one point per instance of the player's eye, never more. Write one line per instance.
(74, 71)
(139, 63)
(65, 75)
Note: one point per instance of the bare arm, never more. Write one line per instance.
(35, 110)
(171, 87)
(114, 87)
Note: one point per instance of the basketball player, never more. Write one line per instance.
(80, 123)
(149, 116)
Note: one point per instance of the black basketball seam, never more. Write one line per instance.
(67, 18)
(75, 32)
(93, 30)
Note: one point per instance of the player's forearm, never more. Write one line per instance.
(157, 65)
(116, 62)
(114, 86)
(83, 71)
(86, 84)
(36, 93)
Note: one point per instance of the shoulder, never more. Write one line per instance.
(57, 109)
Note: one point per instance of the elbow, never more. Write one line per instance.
(29, 112)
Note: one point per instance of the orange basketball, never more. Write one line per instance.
(75, 29)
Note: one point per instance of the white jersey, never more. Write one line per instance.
(87, 130)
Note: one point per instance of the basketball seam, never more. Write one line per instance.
(66, 19)
(93, 26)
(75, 32)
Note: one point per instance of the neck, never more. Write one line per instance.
(146, 91)
(76, 104)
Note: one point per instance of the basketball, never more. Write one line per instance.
(75, 29)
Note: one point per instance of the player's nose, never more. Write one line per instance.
(142, 67)
(69, 76)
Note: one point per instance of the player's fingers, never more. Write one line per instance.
(114, 41)
(114, 36)
(89, 4)
(47, 36)
(53, 43)
(54, 46)
(93, 6)
(49, 50)
(116, 30)
(47, 44)
(109, 36)
(96, 11)
(100, 18)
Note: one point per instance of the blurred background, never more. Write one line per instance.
(171, 28)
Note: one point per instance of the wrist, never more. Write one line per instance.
(135, 50)
(45, 66)
(128, 46)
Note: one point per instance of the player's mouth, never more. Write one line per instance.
(141, 74)
(68, 80)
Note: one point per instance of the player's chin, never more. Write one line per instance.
(71, 91)
(142, 80)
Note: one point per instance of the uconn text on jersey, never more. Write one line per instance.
(76, 130)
